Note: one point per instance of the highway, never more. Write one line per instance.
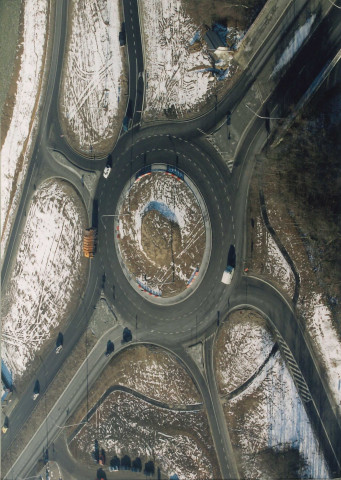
(179, 144)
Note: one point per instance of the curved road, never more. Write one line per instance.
(225, 196)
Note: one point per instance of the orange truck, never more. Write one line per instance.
(89, 242)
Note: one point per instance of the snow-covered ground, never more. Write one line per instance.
(269, 414)
(91, 90)
(16, 146)
(45, 275)
(174, 75)
(125, 425)
(326, 340)
(155, 373)
(243, 346)
(294, 45)
(275, 264)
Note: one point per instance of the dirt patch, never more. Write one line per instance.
(125, 425)
(160, 238)
(161, 234)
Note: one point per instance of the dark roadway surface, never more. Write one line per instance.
(217, 186)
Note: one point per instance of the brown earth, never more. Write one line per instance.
(160, 238)
(168, 257)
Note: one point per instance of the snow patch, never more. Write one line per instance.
(295, 44)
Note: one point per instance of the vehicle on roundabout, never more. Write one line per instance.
(127, 335)
(107, 171)
(110, 348)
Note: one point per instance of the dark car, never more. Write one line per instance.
(127, 335)
(228, 118)
(122, 38)
(125, 123)
(110, 348)
(231, 257)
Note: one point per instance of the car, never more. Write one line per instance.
(59, 342)
(127, 335)
(122, 38)
(110, 348)
(107, 171)
(36, 390)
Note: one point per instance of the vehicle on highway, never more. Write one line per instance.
(110, 348)
(59, 342)
(36, 390)
(107, 171)
(5, 425)
(127, 335)
(228, 275)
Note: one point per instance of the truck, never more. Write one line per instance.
(89, 242)
(227, 275)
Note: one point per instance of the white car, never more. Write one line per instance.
(227, 275)
(107, 171)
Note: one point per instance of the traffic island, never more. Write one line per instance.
(161, 233)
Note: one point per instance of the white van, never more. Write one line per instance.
(227, 275)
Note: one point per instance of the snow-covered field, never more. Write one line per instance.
(91, 89)
(326, 341)
(274, 264)
(155, 373)
(16, 146)
(125, 425)
(46, 274)
(174, 75)
(269, 414)
(268, 417)
(248, 338)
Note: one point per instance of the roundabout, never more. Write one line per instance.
(153, 206)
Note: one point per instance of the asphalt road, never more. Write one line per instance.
(225, 195)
